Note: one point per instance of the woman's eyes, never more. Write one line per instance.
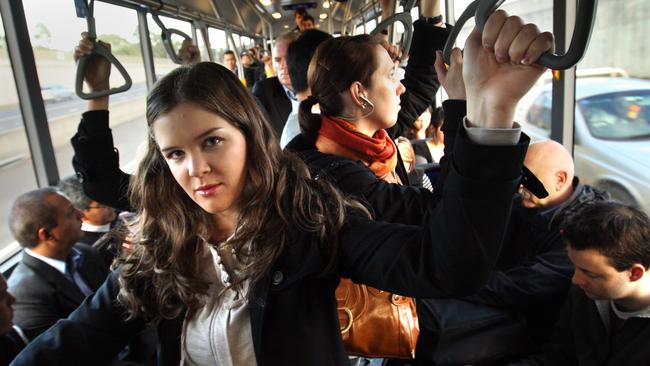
(207, 143)
(174, 155)
(212, 141)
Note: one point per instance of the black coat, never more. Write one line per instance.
(44, 295)
(11, 343)
(581, 338)
(293, 309)
(275, 102)
(97, 162)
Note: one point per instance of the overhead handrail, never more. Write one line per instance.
(585, 19)
(405, 18)
(86, 9)
(166, 36)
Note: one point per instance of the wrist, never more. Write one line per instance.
(98, 104)
(435, 20)
(99, 87)
(485, 114)
(430, 9)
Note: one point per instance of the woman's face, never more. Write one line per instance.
(206, 156)
(385, 91)
(423, 121)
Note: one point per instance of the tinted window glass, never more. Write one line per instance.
(618, 116)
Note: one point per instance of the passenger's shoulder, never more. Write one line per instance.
(87, 250)
(22, 279)
(266, 85)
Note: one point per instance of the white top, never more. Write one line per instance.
(220, 333)
(291, 129)
(58, 264)
(95, 228)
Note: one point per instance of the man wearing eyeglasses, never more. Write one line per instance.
(97, 218)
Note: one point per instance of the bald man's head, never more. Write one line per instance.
(553, 166)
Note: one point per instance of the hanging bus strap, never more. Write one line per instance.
(405, 18)
(585, 18)
(166, 36)
(85, 9)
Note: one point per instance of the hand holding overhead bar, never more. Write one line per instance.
(98, 50)
(404, 18)
(166, 36)
(585, 18)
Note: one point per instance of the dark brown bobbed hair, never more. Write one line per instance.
(162, 276)
(337, 64)
(618, 231)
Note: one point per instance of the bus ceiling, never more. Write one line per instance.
(260, 18)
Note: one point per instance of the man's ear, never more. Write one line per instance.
(636, 272)
(43, 234)
(561, 178)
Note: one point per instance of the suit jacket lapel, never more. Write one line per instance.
(51, 275)
(282, 100)
(93, 270)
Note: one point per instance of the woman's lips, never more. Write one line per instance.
(207, 190)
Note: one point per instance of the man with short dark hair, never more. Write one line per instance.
(55, 273)
(297, 17)
(230, 61)
(307, 22)
(606, 320)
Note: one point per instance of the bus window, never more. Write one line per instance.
(238, 42)
(246, 42)
(218, 43)
(415, 12)
(16, 169)
(539, 114)
(612, 114)
(162, 63)
(54, 31)
(371, 25)
(200, 42)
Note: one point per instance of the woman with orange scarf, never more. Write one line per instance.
(352, 80)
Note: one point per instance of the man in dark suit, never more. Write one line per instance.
(56, 273)
(275, 94)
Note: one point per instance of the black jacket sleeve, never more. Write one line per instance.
(528, 284)
(99, 320)
(561, 350)
(420, 79)
(465, 230)
(97, 162)
(538, 267)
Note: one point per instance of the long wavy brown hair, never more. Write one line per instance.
(162, 276)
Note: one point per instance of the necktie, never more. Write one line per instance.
(71, 272)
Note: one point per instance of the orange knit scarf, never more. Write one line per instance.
(339, 137)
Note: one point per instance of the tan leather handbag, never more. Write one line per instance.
(376, 323)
